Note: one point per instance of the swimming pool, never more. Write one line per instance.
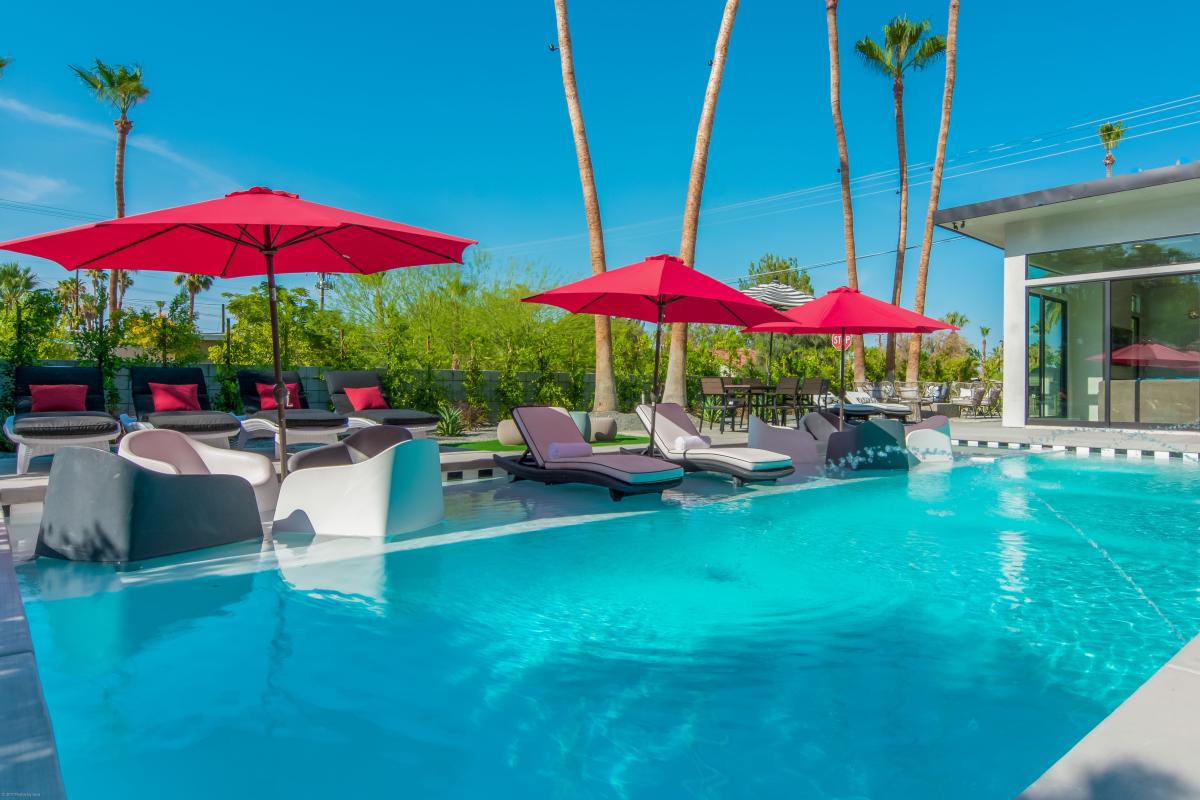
(941, 634)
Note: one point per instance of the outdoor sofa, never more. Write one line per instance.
(557, 453)
(304, 425)
(176, 399)
(58, 407)
(677, 439)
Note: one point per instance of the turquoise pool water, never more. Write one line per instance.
(944, 634)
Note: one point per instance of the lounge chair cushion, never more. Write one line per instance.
(193, 421)
(51, 424)
(396, 416)
(560, 450)
(59, 397)
(625, 468)
(743, 457)
(305, 418)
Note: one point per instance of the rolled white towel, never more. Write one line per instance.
(685, 443)
(560, 450)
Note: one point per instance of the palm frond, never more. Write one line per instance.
(929, 52)
(1111, 134)
(4, 62)
(119, 86)
(874, 56)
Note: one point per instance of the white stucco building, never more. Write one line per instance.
(1101, 299)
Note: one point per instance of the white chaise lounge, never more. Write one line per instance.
(558, 453)
(680, 443)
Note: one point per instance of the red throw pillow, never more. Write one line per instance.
(366, 398)
(59, 397)
(175, 396)
(266, 396)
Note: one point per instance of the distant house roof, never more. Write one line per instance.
(986, 221)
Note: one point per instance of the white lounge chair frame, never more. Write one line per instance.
(221, 440)
(30, 448)
(252, 425)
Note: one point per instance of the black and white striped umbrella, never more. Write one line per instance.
(781, 297)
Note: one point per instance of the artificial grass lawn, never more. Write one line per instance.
(494, 446)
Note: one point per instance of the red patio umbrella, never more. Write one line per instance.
(1152, 354)
(255, 232)
(849, 311)
(659, 289)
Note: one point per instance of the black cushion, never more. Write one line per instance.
(50, 424)
(338, 380)
(305, 418)
(396, 416)
(140, 379)
(248, 380)
(194, 421)
(27, 376)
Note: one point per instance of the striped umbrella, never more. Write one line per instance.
(781, 297)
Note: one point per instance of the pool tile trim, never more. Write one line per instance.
(1103, 452)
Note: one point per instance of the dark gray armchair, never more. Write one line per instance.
(101, 507)
(874, 444)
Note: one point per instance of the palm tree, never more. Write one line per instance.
(124, 283)
(935, 188)
(835, 105)
(983, 332)
(4, 62)
(194, 284)
(606, 386)
(122, 88)
(16, 282)
(1110, 134)
(905, 47)
(675, 390)
(66, 292)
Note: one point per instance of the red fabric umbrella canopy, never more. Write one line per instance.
(226, 237)
(1152, 354)
(849, 311)
(638, 291)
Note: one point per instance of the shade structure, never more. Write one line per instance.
(1153, 355)
(259, 231)
(659, 289)
(849, 311)
(781, 297)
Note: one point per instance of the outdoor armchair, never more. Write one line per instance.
(200, 422)
(174, 453)
(378, 482)
(716, 402)
(795, 443)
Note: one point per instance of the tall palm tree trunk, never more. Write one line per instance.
(902, 235)
(606, 389)
(191, 306)
(675, 390)
(835, 104)
(123, 126)
(935, 187)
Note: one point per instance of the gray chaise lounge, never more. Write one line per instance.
(339, 380)
(44, 432)
(208, 426)
(304, 425)
(557, 453)
(101, 507)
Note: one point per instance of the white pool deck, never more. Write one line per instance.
(1147, 749)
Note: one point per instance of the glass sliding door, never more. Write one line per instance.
(1154, 361)
(1066, 352)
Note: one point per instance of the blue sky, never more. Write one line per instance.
(451, 116)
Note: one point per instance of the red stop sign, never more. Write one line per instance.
(840, 342)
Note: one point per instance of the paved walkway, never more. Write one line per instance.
(1148, 441)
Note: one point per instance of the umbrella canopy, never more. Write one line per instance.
(849, 311)
(259, 231)
(780, 296)
(659, 289)
(1153, 355)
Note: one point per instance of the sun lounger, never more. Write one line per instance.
(557, 453)
(895, 410)
(199, 421)
(81, 422)
(304, 425)
(680, 443)
(339, 381)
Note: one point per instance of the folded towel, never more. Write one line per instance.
(561, 450)
(683, 443)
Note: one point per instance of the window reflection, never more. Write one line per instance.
(1131, 255)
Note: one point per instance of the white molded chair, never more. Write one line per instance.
(377, 482)
(175, 453)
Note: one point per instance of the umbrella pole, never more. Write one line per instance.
(770, 354)
(281, 398)
(842, 384)
(654, 386)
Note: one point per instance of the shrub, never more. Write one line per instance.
(450, 421)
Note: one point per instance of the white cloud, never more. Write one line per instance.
(26, 188)
(148, 144)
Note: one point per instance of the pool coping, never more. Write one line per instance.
(1145, 748)
(29, 767)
